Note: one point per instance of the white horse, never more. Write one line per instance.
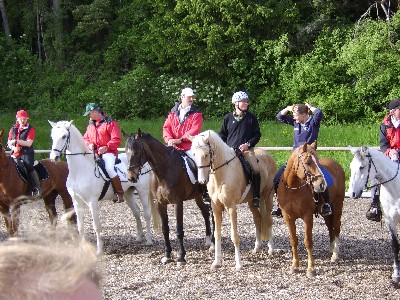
(85, 183)
(369, 165)
(219, 167)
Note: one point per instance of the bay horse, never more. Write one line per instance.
(13, 186)
(219, 167)
(170, 185)
(369, 165)
(87, 186)
(301, 178)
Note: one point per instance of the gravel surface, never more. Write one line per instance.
(132, 270)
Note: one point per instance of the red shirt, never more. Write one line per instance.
(104, 132)
(30, 135)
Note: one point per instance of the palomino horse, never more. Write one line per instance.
(13, 186)
(301, 178)
(86, 184)
(170, 185)
(367, 166)
(219, 167)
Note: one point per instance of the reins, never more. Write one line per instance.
(211, 164)
(371, 162)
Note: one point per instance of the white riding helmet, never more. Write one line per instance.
(239, 96)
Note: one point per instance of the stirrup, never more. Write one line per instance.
(326, 210)
(206, 197)
(256, 202)
(374, 213)
(35, 192)
(277, 213)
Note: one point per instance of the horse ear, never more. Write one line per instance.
(139, 133)
(314, 144)
(353, 150)
(305, 147)
(125, 134)
(51, 123)
(364, 150)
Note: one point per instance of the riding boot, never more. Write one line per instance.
(326, 208)
(118, 191)
(256, 189)
(36, 190)
(206, 196)
(374, 212)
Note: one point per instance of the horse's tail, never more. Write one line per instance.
(266, 219)
(155, 216)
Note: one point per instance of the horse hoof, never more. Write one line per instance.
(181, 263)
(334, 258)
(211, 249)
(293, 270)
(215, 267)
(396, 281)
(149, 242)
(311, 274)
(256, 250)
(208, 241)
(166, 260)
(239, 268)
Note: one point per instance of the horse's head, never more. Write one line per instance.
(135, 154)
(361, 171)
(307, 167)
(203, 155)
(60, 134)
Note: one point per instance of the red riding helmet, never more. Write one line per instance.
(22, 114)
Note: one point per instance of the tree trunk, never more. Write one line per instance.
(4, 18)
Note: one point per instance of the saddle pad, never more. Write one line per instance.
(41, 170)
(328, 177)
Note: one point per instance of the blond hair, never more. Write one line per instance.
(37, 268)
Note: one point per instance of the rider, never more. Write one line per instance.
(184, 119)
(103, 136)
(306, 129)
(240, 129)
(389, 138)
(20, 141)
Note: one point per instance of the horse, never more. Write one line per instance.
(369, 165)
(87, 185)
(301, 178)
(170, 185)
(13, 186)
(220, 168)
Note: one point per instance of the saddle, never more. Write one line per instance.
(101, 165)
(248, 172)
(41, 170)
(189, 166)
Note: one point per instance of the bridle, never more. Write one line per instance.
(371, 163)
(63, 150)
(211, 164)
(308, 176)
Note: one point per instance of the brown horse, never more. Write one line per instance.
(170, 185)
(12, 186)
(301, 178)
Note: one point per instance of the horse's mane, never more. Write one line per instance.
(220, 147)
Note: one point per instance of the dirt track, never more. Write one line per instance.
(133, 271)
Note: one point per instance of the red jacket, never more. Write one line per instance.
(191, 124)
(25, 133)
(104, 132)
(389, 136)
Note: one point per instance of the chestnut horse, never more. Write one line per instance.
(301, 178)
(170, 185)
(13, 186)
(219, 167)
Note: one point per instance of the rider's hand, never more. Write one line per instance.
(393, 154)
(243, 147)
(11, 143)
(102, 150)
(91, 147)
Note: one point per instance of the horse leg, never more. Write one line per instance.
(291, 223)
(235, 236)
(257, 223)
(162, 209)
(395, 250)
(180, 233)
(308, 242)
(205, 211)
(333, 238)
(145, 200)
(217, 210)
(94, 209)
(79, 207)
(14, 212)
(130, 201)
(68, 205)
(50, 204)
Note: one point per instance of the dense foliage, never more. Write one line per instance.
(134, 56)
